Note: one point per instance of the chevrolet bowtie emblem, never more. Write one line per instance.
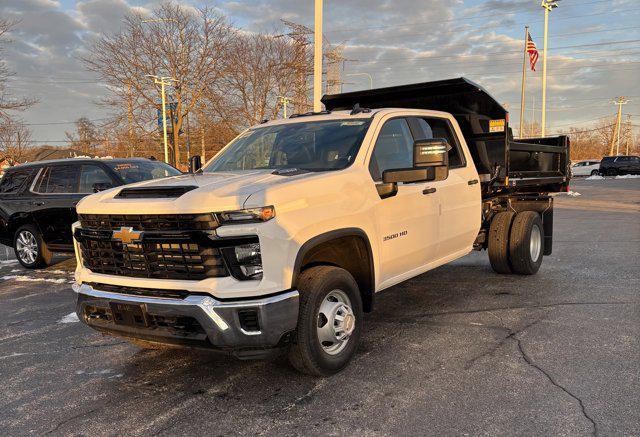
(127, 235)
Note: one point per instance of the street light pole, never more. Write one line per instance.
(364, 74)
(317, 58)
(547, 5)
(163, 81)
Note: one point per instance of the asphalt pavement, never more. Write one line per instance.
(457, 351)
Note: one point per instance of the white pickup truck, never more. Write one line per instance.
(282, 240)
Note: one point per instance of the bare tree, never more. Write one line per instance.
(176, 42)
(8, 102)
(15, 140)
(86, 138)
(256, 74)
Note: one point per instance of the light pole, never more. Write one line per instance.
(163, 81)
(284, 101)
(547, 5)
(317, 58)
(364, 74)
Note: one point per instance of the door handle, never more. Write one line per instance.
(428, 191)
(472, 182)
(37, 203)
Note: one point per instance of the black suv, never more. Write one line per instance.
(619, 165)
(38, 200)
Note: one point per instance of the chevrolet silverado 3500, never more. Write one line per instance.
(283, 239)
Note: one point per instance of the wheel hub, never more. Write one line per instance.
(336, 322)
(27, 247)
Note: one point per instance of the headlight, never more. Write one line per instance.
(245, 260)
(252, 215)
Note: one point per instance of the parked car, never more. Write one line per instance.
(586, 168)
(281, 242)
(38, 200)
(620, 165)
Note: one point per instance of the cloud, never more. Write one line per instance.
(396, 41)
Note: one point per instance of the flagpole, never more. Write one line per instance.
(524, 78)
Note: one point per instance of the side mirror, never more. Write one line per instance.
(101, 186)
(195, 163)
(430, 163)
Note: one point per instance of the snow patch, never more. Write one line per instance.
(569, 193)
(594, 178)
(9, 261)
(628, 176)
(69, 318)
(21, 278)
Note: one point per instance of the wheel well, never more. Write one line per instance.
(349, 251)
(16, 222)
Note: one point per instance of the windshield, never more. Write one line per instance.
(137, 171)
(313, 146)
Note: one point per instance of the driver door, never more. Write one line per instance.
(407, 223)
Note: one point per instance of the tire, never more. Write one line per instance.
(526, 245)
(595, 173)
(611, 172)
(30, 249)
(499, 232)
(325, 292)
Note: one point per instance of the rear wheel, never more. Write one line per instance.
(329, 321)
(30, 249)
(499, 231)
(611, 172)
(526, 245)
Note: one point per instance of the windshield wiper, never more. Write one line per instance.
(291, 171)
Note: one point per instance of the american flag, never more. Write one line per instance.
(533, 52)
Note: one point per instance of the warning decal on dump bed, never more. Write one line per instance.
(496, 125)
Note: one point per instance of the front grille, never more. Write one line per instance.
(171, 247)
(163, 222)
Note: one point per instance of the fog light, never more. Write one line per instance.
(247, 261)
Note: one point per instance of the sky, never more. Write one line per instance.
(593, 50)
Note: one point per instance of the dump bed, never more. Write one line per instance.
(527, 165)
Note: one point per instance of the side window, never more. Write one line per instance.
(14, 181)
(90, 175)
(393, 148)
(441, 128)
(58, 179)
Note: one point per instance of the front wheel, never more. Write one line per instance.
(329, 321)
(595, 173)
(30, 249)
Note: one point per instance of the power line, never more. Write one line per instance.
(602, 43)
(395, 26)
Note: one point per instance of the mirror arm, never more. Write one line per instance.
(386, 190)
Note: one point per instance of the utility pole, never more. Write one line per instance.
(548, 5)
(163, 81)
(130, 101)
(629, 137)
(524, 78)
(284, 101)
(317, 58)
(616, 133)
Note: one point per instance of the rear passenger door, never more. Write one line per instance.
(56, 194)
(458, 196)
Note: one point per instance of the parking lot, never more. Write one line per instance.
(457, 351)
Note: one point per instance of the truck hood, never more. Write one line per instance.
(215, 192)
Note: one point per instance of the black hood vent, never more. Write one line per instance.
(155, 192)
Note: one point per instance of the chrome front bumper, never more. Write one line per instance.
(199, 321)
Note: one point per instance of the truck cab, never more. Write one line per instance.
(282, 240)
